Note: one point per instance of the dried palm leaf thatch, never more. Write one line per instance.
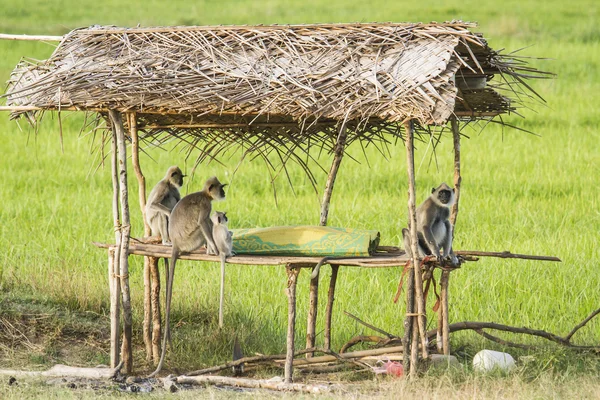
(274, 88)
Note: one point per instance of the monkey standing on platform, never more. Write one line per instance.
(434, 229)
(224, 242)
(190, 227)
(161, 201)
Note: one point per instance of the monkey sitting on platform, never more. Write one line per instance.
(161, 201)
(434, 229)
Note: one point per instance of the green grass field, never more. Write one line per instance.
(523, 193)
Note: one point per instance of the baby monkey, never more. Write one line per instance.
(224, 242)
(161, 201)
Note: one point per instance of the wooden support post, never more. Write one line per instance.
(329, 309)
(135, 161)
(443, 318)
(155, 303)
(335, 166)
(444, 312)
(114, 283)
(292, 274)
(407, 341)
(311, 323)
(457, 176)
(115, 293)
(126, 350)
(421, 319)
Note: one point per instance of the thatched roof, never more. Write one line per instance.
(275, 85)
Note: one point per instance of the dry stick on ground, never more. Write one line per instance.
(247, 360)
(253, 383)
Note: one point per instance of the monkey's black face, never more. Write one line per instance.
(445, 196)
(222, 191)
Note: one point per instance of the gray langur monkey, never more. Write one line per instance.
(224, 242)
(161, 201)
(434, 229)
(189, 228)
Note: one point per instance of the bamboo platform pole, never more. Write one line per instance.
(113, 262)
(421, 322)
(340, 146)
(311, 323)
(292, 274)
(443, 330)
(457, 175)
(155, 304)
(115, 292)
(329, 308)
(126, 349)
(135, 161)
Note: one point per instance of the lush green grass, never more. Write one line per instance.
(523, 193)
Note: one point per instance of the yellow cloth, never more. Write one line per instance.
(305, 241)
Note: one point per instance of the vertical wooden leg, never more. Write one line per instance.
(311, 322)
(292, 274)
(407, 341)
(155, 302)
(439, 343)
(329, 309)
(414, 350)
(147, 324)
(444, 281)
(113, 284)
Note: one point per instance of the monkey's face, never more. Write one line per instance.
(176, 176)
(219, 218)
(215, 189)
(444, 194)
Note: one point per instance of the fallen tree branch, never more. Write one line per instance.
(254, 383)
(502, 341)
(60, 370)
(247, 360)
(581, 325)
(468, 325)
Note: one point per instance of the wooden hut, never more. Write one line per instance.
(273, 91)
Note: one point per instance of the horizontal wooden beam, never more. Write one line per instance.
(474, 114)
(42, 38)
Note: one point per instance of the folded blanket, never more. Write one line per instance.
(305, 241)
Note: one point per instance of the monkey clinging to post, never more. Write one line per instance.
(189, 228)
(161, 201)
(434, 229)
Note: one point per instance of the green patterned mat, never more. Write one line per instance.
(305, 241)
